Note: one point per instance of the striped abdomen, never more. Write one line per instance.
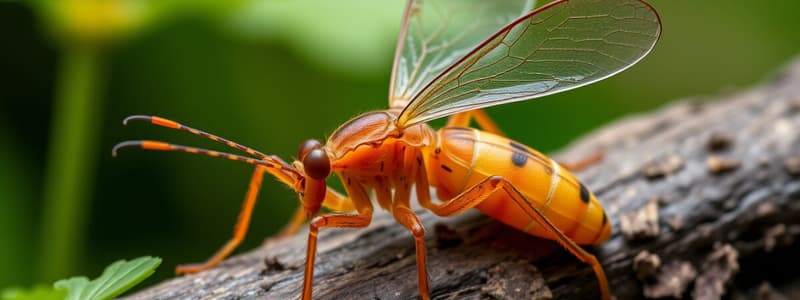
(466, 156)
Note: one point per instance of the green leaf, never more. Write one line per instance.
(364, 44)
(116, 279)
(36, 293)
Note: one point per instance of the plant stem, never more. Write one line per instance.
(71, 162)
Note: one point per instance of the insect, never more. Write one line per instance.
(454, 58)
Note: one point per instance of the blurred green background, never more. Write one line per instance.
(268, 74)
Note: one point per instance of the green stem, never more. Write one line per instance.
(70, 166)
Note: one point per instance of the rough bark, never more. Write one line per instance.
(710, 188)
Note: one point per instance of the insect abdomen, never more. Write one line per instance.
(466, 156)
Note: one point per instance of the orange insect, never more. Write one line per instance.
(455, 57)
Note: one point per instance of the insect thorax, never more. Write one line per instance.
(373, 129)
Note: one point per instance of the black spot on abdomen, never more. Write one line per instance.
(519, 154)
(584, 193)
(519, 159)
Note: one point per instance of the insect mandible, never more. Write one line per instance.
(454, 58)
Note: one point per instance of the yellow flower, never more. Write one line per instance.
(96, 21)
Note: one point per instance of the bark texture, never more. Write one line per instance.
(704, 197)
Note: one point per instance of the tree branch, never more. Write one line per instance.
(709, 189)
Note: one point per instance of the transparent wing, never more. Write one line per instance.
(436, 33)
(561, 46)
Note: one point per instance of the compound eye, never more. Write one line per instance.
(306, 147)
(316, 164)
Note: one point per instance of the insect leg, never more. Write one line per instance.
(337, 202)
(361, 219)
(476, 194)
(298, 218)
(239, 232)
(584, 162)
(333, 201)
(406, 217)
(459, 120)
(486, 122)
(480, 117)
